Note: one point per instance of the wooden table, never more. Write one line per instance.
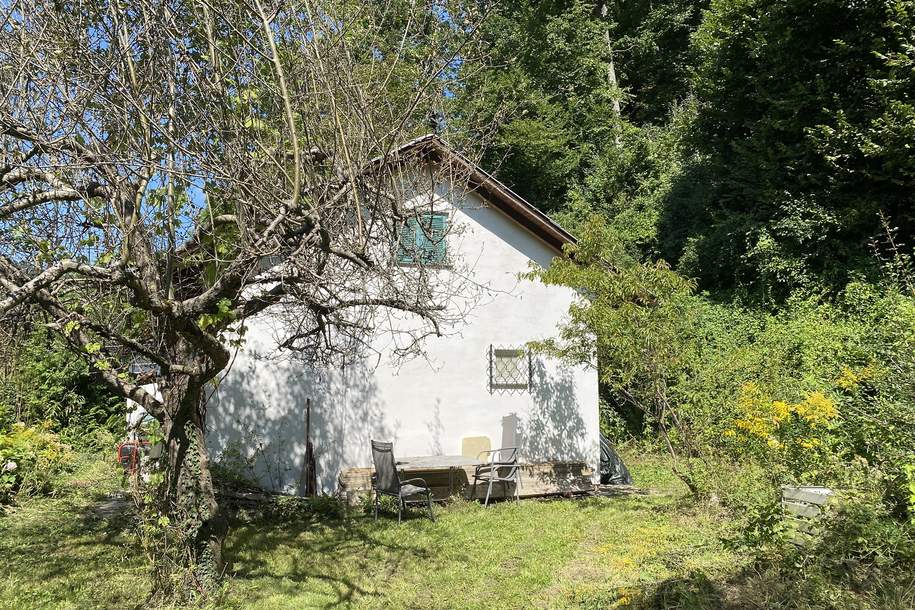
(437, 463)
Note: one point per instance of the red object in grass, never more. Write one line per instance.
(129, 453)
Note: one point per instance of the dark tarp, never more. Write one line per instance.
(612, 469)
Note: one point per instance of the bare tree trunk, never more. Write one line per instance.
(188, 497)
(611, 71)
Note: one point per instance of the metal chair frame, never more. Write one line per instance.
(502, 470)
(383, 458)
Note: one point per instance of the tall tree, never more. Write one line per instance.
(171, 168)
(612, 81)
(568, 80)
(802, 138)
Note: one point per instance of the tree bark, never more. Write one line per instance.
(188, 496)
(611, 71)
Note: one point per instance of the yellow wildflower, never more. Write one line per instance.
(817, 409)
(756, 426)
(850, 379)
(781, 410)
(758, 416)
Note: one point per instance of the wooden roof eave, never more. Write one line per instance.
(496, 193)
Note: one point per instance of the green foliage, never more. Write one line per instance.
(30, 459)
(758, 145)
(635, 323)
(909, 489)
(233, 467)
(806, 390)
(761, 147)
(631, 319)
(545, 74)
(283, 509)
(613, 424)
(764, 148)
(51, 386)
(546, 89)
(863, 539)
(802, 136)
(219, 318)
(818, 392)
(809, 390)
(862, 557)
(654, 55)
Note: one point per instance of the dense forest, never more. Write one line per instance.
(758, 147)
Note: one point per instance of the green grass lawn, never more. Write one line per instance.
(653, 550)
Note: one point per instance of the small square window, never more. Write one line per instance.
(422, 240)
(509, 369)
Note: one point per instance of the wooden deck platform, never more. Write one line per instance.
(453, 478)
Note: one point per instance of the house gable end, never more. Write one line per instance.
(491, 190)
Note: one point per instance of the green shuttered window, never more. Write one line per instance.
(422, 240)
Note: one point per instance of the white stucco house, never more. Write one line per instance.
(476, 381)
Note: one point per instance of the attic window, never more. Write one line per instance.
(422, 240)
(509, 369)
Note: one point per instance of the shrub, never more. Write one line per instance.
(30, 459)
(862, 539)
(48, 384)
(807, 391)
(232, 468)
(818, 392)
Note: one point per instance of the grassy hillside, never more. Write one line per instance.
(643, 550)
(76, 551)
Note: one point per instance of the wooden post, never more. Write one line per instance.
(309, 476)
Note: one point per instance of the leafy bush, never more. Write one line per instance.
(50, 385)
(819, 392)
(288, 508)
(863, 539)
(233, 468)
(30, 459)
(813, 390)
(863, 558)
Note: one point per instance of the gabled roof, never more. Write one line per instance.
(493, 191)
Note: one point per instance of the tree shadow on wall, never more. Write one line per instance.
(436, 430)
(256, 420)
(554, 429)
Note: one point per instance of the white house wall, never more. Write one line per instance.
(425, 405)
